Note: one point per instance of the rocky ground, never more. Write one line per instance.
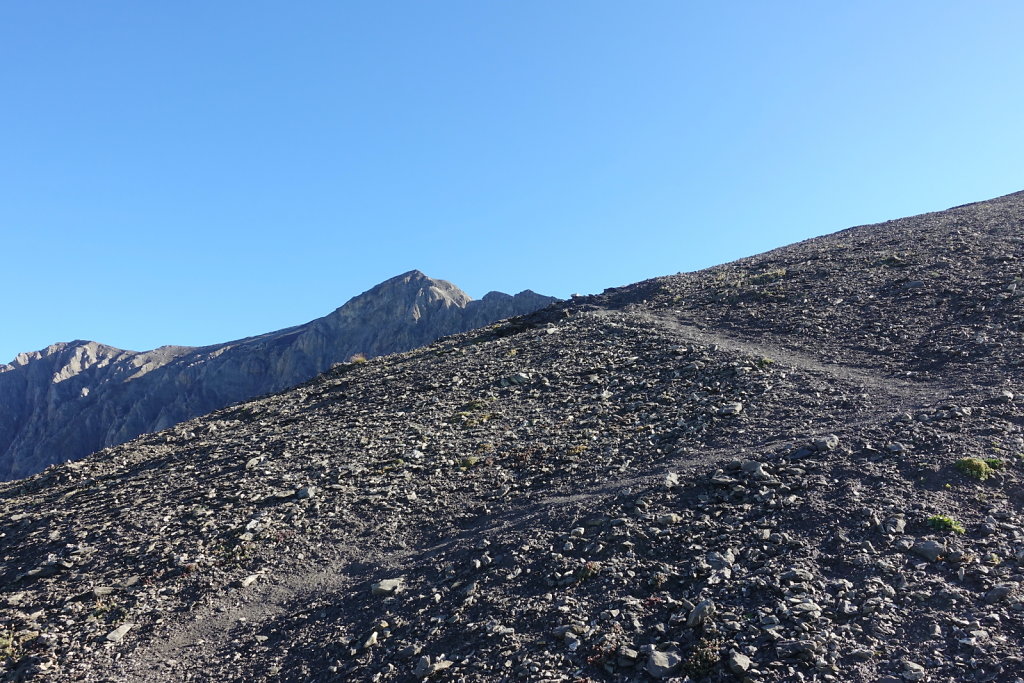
(805, 465)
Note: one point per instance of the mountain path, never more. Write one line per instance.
(195, 636)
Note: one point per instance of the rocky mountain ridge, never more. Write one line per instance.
(74, 398)
(801, 466)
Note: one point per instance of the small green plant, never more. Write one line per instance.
(768, 276)
(703, 659)
(977, 468)
(588, 571)
(10, 645)
(945, 523)
(469, 461)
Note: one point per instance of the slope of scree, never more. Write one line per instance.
(628, 487)
(72, 399)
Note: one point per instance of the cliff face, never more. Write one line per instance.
(73, 398)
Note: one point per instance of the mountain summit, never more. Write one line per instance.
(73, 398)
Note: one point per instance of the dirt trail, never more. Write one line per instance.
(198, 636)
(897, 390)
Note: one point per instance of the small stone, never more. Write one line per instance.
(663, 664)
(305, 492)
(738, 663)
(249, 580)
(701, 613)
(422, 667)
(119, 633)
(734, 408)
(754, 468)
(669, 518)
(894, 525)
(371, 640)
(828, 443)
(388, 586)
(627, 656)
(929, 550)
(912, 671)
(998, 593)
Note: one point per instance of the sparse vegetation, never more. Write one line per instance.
(10, 645)
(978, 468)
(768, 276)
(588, 571)
(945, 523)
(703, 659)
(357, 358)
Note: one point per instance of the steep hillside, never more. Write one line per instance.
(805, 465)
(74, 398)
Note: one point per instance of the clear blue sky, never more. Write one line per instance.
(192, 172)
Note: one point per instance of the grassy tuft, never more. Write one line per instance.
(945, 523)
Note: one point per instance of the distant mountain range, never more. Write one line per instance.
(73, 398)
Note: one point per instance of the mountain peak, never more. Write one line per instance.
(407, 291)
(44, 416)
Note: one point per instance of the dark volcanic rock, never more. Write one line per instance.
(599, 517)
(71, 399)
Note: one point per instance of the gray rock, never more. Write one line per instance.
(425, 668)
(738, 663)
(701, 613)
(388, 586)
(894, 525)
(118, 634)
(828, 443)
(627, 656)
(516, 379)
(912, 671)
(929, 550)
(999, 593)
(754, 469)
(663, 664)
(734, 408)
(796, 649)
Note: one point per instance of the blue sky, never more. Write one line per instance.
(193, 172)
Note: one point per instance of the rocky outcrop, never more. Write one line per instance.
(74, 398)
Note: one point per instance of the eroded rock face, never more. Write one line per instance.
(74, 398)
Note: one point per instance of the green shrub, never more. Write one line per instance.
(945, 523)
(979, 469)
